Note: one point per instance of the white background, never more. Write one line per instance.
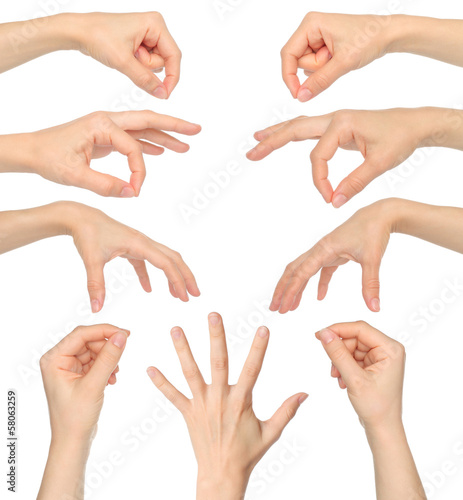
(237, 246)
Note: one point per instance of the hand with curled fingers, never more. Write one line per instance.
(63, 154)
(227, 437)
(363, 238)
(385, 139)
(99, 239)
(75, 374)
(371, 366)
(326, 46)
(136, 44)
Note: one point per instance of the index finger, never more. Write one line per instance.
(363, 332)
(294, 49)
(80, 336)
(298, 129)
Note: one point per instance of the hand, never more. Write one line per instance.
(363, 238)
(371, 366)
(385, 139)
(63, 154)
(327, 46)
(75, 373)
(136, 44)
(99, 239)
(227, 437)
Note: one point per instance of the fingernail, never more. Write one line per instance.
(214, 319)
(304, 95)
(302, 398)
(327, 336)
(119, 339)
(339, 200)
(151, 372)
(160, 92)
(95, 305)
(127, 192)
(262, 332)
(137, 54)
(176, 332)
(375, 305)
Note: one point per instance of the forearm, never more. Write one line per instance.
(23, 41)
(396, 475)
(442, 226)
(64, 475)
(440, 39)
(17, 153)
(21, 227)
(440, 127)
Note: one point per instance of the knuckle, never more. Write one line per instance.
(106, 358)
(252, 371)
(320, 80)
(343, 117)
(144, 80)
(93, 285)
(290, 413)
(355, 183)
(219, 364)
(190, 373)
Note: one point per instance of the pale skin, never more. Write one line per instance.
(64, 154)
(136, 44)
(98, 239)
(228, 439)
(363, 239)
(75, 374)
(328, 46)
(384, 138)
(371, 366)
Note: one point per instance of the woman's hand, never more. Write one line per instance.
(136, 44)
(228, 439)
(99, 239)
(328, 46)
(371, 366)
(384, 138)
(363, 238)
(75, 373)
(63, 154)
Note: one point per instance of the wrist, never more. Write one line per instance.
(384, 433)
(221, 487)
(386, 212)
(66, 30)
(403, 33)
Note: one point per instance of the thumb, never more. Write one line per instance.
(370, 284)
(144, 78)
(354, 183)
(106, 361)
(340, 356)
(321, 79)
(106, 185)
(281, 418)
(96, 285)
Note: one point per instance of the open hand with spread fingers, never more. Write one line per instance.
(227, 437)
